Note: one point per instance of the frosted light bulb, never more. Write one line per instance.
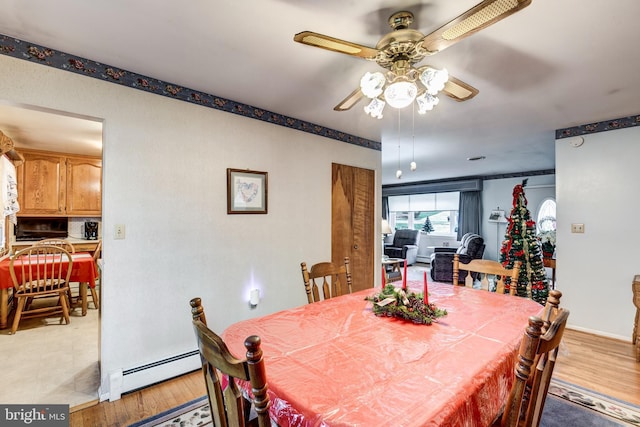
(413, 166)
(398, 174)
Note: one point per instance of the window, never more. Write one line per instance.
(547, 216)
(412, 211)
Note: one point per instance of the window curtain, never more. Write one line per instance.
(470, 213)
(385, 207)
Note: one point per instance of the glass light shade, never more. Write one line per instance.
(414, 166)
(398, 174)
(434, 80)
(400, 94)
(375, 107)
(371, 84)
(426, 102)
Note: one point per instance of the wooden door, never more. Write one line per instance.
(84, 182)
(41, 184)
(352, 221)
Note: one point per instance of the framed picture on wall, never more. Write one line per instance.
(497, 216)
(246, 191)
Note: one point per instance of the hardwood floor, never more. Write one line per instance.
(602, 364)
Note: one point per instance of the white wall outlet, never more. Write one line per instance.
(118, 231)
(577, 228)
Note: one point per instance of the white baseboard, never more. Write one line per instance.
(599, 333)
(122, 381)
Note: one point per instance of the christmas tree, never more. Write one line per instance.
(427, 227)
(521, 244)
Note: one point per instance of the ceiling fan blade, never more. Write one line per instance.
(459, 90)
(351, 100)
(336, 45)
(473, 20)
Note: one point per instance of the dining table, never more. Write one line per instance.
(335, 363)
(83, 271)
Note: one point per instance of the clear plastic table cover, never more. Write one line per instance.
(334, 363)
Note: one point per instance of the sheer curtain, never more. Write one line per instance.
(470, 213)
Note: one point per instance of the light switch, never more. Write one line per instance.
(577, 228)
(118, 231)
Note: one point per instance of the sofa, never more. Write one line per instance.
(404, 246)
(471, 247)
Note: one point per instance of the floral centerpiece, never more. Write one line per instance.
(548, 242)
(405, 305)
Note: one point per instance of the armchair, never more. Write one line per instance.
(471, 247)
(404, 246)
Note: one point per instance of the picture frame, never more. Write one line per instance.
(497, 216)
(247, 191)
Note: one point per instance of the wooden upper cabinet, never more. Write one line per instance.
(84, 178)
(55, 184)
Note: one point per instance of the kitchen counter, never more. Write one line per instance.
(80, 245)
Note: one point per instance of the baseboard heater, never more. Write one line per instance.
(145, 375)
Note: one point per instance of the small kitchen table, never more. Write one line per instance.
(83, 270)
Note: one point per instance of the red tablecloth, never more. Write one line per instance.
(334, 363)
(83, 270)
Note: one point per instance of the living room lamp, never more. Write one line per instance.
(385, 229)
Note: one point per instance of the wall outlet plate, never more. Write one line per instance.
(118, 231)
(577, 228)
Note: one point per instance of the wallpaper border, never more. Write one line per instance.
(32, 52)
(614, 124)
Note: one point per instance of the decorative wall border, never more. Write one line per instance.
(32, 52)
(624, 122)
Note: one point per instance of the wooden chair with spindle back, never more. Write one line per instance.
(534, 367)
(336, 280)
(486, 269)
(67, 246)
(40, 272)
(228, 406)
(636, 325)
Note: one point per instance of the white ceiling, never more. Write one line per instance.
(555, 64)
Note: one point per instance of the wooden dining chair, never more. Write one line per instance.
(534, 367)
(228, 406)
(94, 292)
(635, 339)
(40, 272)
(67, 246)
(485, 270)
(331, 276)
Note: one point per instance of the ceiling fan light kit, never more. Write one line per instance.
(402, 48)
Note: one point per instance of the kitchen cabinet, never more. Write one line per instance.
(57, 184)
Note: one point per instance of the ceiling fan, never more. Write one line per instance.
(402, 48)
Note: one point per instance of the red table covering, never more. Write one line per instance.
(334, 363)
(83, 270)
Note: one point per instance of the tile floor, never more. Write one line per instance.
(46, 362)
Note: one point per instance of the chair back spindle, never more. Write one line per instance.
(485, 269)
(332, 279)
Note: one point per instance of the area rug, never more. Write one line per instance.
(567, 405)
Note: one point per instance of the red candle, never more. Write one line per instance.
(384, 278)
(426, 290)
(404, 276)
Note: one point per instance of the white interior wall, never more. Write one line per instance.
(596, 187)
(164, 178)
